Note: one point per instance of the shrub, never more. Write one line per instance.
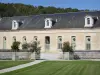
(66, 47)
(25, 46)
(15, 46)
(34, 47)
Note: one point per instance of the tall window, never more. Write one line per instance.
(47, 22)
(73, 42)
(88, 43)
(59, 42)
(24, 39)
(88, 20)
(4, 42)
(35, 38)
(47, 42)
(14, 38)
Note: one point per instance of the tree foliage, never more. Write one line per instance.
(15, 46)
(25, 46)
(34, 47)
(66, 47)
(18, 9)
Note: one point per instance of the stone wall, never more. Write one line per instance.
(94, 54)
(8, 55)
(87, 54)
(15, 55)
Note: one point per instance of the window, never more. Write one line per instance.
(73, 42)
(47, 43)
(88, 43)
(35, 38)
(14, 24)
(59, 42)
(47, 22)
(24, 39)
(14, 38)
(88, 20)
(4, 42)
(47, 40)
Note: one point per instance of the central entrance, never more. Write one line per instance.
(47, 43)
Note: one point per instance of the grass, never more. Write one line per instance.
(60, 68)
(7, 64)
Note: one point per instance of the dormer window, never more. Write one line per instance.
(89, 21)
(48, 23)
(15, 25)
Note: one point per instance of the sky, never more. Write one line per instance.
(80, 4)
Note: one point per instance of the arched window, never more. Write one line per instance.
(24, 39)
(73, 42)
(35, 38)
(14, 38)
(59, 42)
(88, 20)
(4, 42)
(88, 42)
(47, 43)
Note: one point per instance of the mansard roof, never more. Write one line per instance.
(63, 20)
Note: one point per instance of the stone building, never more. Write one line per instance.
(81, 29)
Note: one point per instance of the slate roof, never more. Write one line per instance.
(64, 20)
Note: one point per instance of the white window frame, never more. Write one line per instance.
(4, 42)
(73, 42)
(15, 25)
(88, 43)
(91, 20)
(59, 42)
(14, 38)
(24, 39)
(35, 38)
(48, 23)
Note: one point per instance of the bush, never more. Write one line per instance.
(15, 46)
(25, 46)
(34, 47)
(66, 47)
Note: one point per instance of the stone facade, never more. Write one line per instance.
(53, 34)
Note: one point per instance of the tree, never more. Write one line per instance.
(15, 46)
(18, 9)
(66, 47)
(34, 47)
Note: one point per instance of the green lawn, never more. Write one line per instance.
(7, 64)
(60, 68)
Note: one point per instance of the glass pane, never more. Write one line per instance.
(59, 45)
(4, 42)
(88, 46)
(88, 20)
(47, 22)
